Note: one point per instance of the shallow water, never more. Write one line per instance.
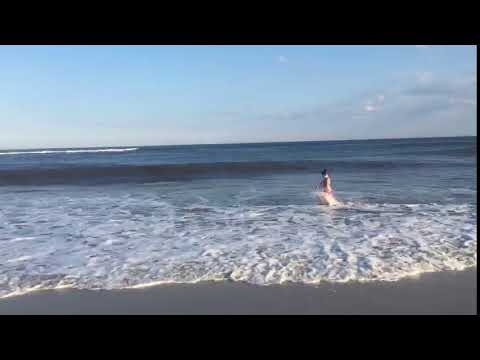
(114, 219)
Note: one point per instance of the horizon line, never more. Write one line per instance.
(239, 143)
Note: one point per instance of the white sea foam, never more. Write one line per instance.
(22, 239)
(102, 241)
(325, 198)
(73, 151)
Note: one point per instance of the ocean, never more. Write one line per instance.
(123, 217)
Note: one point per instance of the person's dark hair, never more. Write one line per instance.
(324, 172)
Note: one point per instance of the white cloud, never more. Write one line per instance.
(462, 101)
(282, 59)
(422, 46)
(375, 104)
(443, 107)
(424, 77)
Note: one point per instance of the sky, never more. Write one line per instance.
(86, 96)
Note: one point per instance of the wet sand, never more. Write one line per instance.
(434, 293)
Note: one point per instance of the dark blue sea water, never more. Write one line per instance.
(134, 216)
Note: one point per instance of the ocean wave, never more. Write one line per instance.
(71, 151)
(139, 241)
(462, 153)
(88, 174)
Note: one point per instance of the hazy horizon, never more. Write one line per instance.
(238, 143)
(117, 96)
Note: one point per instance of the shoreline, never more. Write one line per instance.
(438, 293)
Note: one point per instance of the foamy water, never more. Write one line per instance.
(113, 241)
(71, 151)
(123, 217)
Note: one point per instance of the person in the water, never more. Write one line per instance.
(325, 196)
(326, 182)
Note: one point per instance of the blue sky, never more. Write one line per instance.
(76, 96)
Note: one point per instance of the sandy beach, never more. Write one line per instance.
(443, 293)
